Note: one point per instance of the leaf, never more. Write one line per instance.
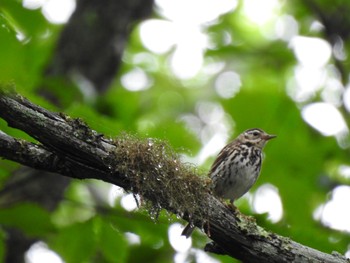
(2, 246)
(75, 243)
(111, 242)
(30, 218)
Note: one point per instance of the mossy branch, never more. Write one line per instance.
(146, 167)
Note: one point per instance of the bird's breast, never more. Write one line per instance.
(243, 171)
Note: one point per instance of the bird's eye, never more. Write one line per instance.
(255, 133)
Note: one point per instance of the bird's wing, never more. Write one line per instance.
(223, 154)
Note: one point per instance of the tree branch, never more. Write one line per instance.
(148, 168)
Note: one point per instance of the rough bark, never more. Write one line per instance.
(70, 148)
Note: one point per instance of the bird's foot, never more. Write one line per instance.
(243, 217)
(232, 208)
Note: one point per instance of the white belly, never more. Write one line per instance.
(241, 183)
(241, 178)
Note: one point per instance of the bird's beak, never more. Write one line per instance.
(269, 137)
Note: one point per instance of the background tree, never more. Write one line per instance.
(196, 79)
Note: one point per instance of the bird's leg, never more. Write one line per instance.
(232, 206)
(237, 213)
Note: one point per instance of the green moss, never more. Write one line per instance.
(159, 176)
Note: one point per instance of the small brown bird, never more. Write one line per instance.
(237, 167)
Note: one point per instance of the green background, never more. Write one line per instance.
(301, 163)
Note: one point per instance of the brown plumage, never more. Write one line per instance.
(237, 167)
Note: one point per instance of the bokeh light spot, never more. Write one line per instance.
(267, 200)
(58, 11)
(178, 242)
(128, 202)
(311, 51)
(325, 118)
(334, 213)
(136, 80)
(40, 253)
(228, 84)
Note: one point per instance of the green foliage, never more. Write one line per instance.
(30, 218)
(23, 62)
(2, 246)
(94, 238)
(301, 163)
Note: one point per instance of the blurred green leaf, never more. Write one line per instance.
(20, 17)
(2, 246)
(301, 163)
(111, 242)
(30, 218)
(75, 243)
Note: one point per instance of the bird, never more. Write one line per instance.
(236, 168)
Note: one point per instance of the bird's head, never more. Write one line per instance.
(255, 137)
